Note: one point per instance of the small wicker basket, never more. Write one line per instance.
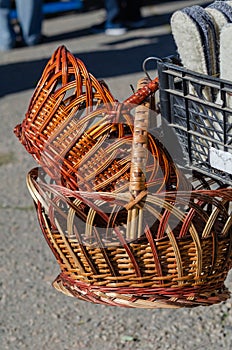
(125, 224)
(82, 136)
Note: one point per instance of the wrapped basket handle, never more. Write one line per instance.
(139, 155)
(139, 145)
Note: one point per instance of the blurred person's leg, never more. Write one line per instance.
(7, 36)
(120, 16)
(114, 20)
(131, 13)
(30, 18)
(113, 11)
(113, 24)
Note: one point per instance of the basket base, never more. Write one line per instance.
(135, 299)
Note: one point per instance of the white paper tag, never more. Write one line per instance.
(220, 160)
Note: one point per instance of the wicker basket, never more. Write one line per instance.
(82, 137)
(123, 221)
(64, 103)
(76, 130)
(181, 255)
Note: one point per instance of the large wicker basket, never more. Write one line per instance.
(181, 255)
(125, 224)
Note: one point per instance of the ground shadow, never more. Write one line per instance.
(20, 76)
(151, 21)
(108, 62)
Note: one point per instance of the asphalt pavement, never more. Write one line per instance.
(33, 314)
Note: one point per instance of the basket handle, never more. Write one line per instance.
(139, 155)
(139, 145)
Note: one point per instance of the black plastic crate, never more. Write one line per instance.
(199, 109)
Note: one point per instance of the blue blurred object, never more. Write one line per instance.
(57, 7)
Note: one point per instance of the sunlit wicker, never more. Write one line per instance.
(179, 256)
(125, 223)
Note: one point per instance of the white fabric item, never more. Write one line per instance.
(225, 58)
(219, 18)
(225, 71)
(188, 42)
(197, 43)
(197, 39)
(221, 11)
(226, 52)
(224, 7)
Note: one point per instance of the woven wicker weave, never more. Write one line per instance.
(65, 94)
(181, 258)
(82, 136)
(125, 225)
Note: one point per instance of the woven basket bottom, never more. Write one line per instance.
(152, 298)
